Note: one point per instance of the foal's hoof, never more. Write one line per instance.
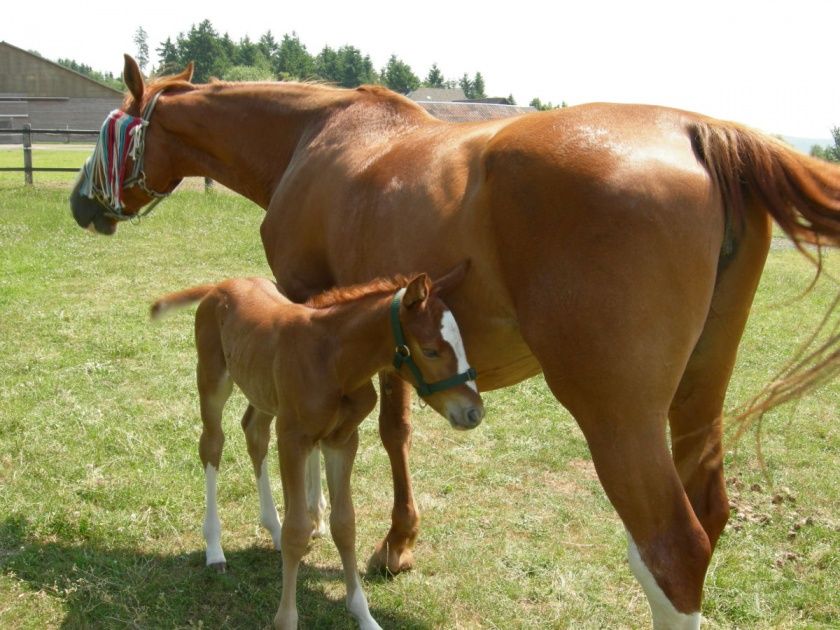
(219, 567)
(390, 560)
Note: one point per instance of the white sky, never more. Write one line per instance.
(771, 64)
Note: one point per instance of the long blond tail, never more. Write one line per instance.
(164, 304)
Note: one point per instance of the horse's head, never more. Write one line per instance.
(130, 166)
(430, 352)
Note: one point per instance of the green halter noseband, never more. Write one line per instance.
(402, 355)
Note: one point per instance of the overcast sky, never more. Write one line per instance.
(771, 64)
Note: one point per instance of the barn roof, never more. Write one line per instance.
(29, 74)
(472, 112)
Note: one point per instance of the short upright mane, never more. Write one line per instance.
(342, 295)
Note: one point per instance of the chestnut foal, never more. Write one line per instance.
(311, 366)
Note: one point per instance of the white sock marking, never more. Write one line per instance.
(451, 334)
(268, 512)
(665, 616)
(212, 529)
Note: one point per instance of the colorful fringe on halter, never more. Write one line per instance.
(105, 170)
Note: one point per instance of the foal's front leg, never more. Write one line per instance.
(339, 464)
(297, 526)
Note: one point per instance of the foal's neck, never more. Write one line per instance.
(364, 342)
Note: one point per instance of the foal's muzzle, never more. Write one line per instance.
(466, 418)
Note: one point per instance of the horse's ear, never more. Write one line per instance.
(133, 78)
(452, 278)
(187, 73)
(417, 290)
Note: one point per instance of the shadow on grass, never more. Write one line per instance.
(120, 587)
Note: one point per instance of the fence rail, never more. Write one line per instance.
(26, 133)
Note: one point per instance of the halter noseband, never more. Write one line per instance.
(402, 355)
(121, 135)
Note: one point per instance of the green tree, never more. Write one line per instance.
(107, 78)
(539, 105)
(293, 60)
(397, 75)
(268, 46)
(249, 73)
(170, 62)
(435, 77)
(357, 69)
(511, 100)
(467, 85)
(141, 43)
(829, 153)
(203, 46)
(478, 86)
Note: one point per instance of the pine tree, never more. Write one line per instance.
(435, 77)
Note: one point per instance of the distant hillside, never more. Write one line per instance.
(805, 144)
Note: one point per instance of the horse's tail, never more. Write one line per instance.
(164, 304)
(802, 194)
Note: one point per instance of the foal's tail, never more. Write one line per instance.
(164, 304)
(802, 194)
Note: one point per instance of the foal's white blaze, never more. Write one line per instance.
(665, 616)
(212, 529)
(268, 512)
(452, 336)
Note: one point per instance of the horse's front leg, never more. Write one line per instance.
(394, 554)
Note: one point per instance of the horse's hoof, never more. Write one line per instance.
(389, 560)
(219, 567)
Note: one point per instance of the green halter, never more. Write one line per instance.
(402, 355)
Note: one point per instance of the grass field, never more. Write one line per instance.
(101, 490)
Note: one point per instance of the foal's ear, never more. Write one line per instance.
(452, 278)
(417, 290)
(133, 78)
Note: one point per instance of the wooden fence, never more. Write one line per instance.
(26, 133)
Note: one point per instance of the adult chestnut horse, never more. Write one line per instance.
(615, 248)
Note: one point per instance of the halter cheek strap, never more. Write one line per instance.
(402, 356)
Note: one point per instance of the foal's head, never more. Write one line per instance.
(431, 353)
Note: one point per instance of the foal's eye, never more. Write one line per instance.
(430, 354)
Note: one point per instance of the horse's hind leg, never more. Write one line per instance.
(214, 388)
(696, 414)
(339, 464)
(257, 427)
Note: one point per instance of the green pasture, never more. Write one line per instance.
(101, 490)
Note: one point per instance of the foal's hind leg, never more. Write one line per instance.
(257, 427)
(316, 504)
(339, 464)
(696, 414)
(214, 388)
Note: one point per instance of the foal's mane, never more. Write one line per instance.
(343, 295)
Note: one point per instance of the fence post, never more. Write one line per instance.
(208, 185)
(27, 153)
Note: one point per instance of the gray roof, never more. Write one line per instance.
(424, 94)
(472, 112)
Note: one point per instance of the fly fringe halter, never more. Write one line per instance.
(105, 177)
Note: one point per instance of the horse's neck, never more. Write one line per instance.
(240, 136)
(363, 339)
(244, 136)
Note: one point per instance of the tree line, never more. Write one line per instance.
(829, 153)
(267, 58)
(218, 55)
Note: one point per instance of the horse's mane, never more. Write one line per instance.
(343, 295)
